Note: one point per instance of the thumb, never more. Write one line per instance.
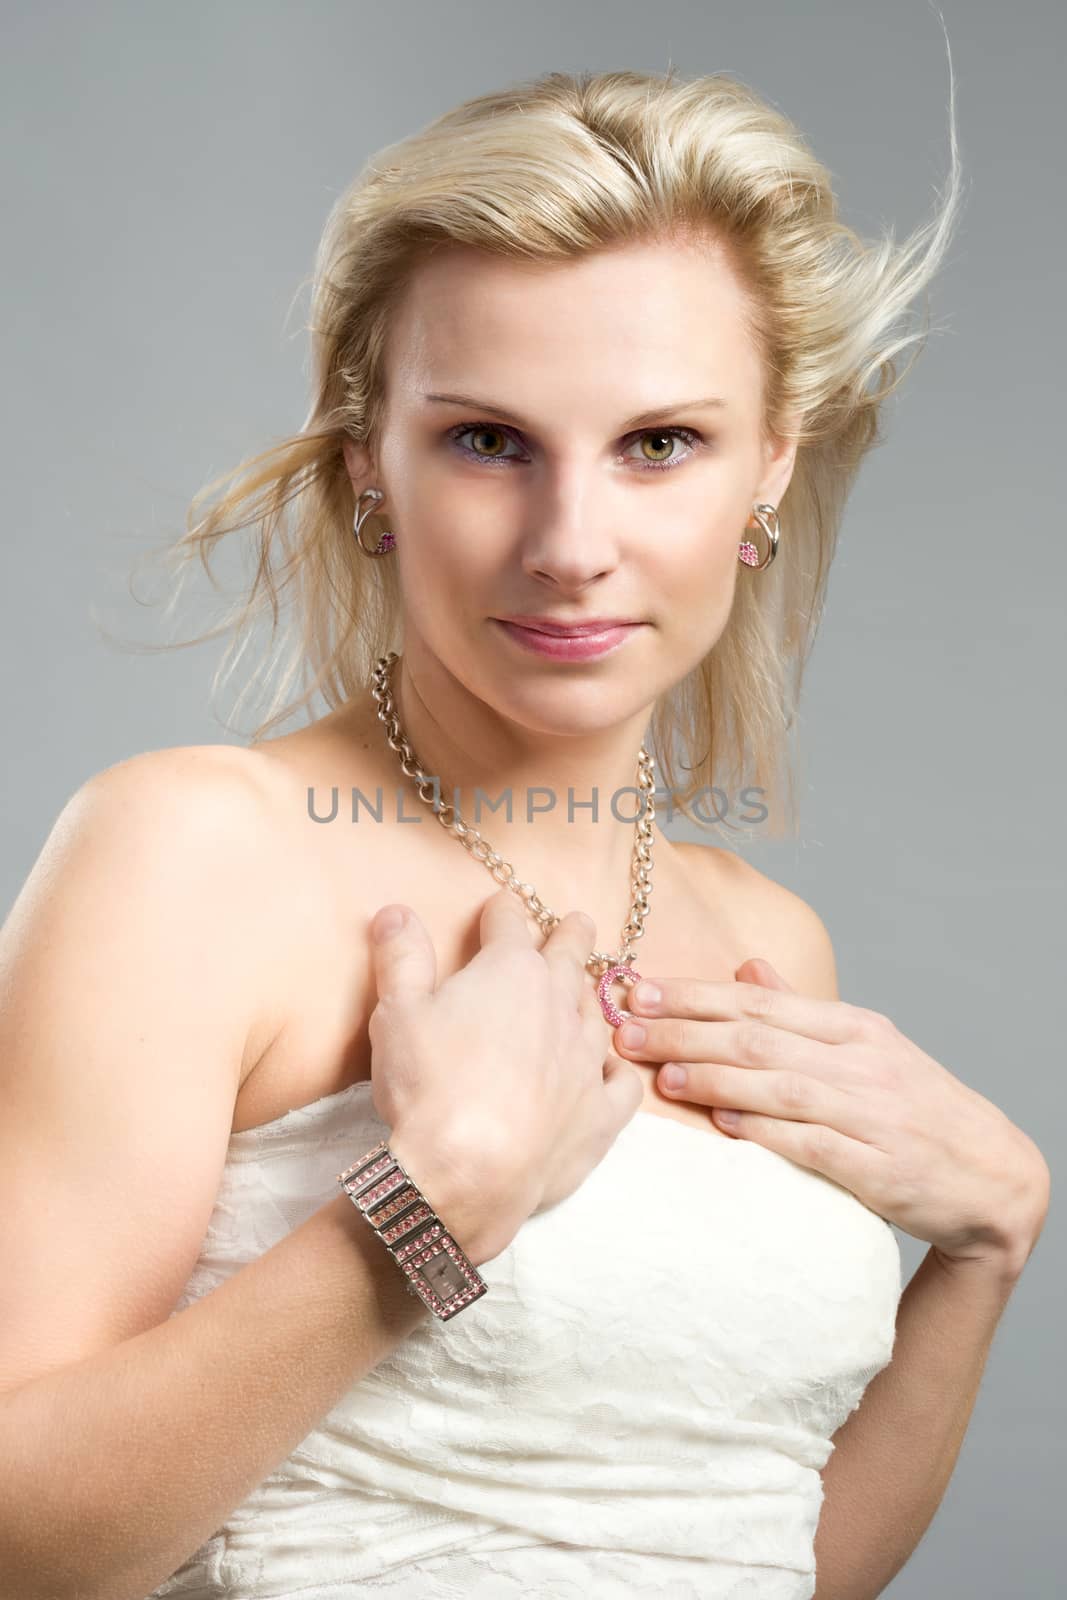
(405, 963)
(757, 970)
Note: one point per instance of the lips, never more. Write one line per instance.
(570, 630)
(595, 642)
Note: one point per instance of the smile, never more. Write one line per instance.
(568, 647)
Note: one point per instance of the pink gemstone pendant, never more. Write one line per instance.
(625, 975)
(748, 553)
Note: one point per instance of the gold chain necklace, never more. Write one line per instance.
(607, 969)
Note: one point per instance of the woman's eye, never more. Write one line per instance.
(482, 431)
(657, 459)
(662, 439)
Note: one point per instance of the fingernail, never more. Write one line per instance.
(673, 1077)
(646, 994)
(631, 1035)
(387, 922)
(727, 1118)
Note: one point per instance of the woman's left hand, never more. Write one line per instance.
(839, 1089)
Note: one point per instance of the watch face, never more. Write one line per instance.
(443, 1275)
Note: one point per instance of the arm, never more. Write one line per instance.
(115, 1469)
(894, 1457)
(132, 968)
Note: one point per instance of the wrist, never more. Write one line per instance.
(457, 1196)
(1003, 1255)
(1001, 1268)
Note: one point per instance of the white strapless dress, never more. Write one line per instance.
(640, 1405)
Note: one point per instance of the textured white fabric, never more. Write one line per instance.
(639, 1406)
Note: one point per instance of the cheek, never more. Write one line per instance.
(434, 522)
(451, 569)
(700, 568)
(698, 581)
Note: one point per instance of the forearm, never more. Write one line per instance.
(115, 1470)
(893, 1458)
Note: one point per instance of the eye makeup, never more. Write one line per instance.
(687, 436)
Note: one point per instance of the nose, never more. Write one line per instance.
(569, 544)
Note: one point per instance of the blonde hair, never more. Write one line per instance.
(548, 170)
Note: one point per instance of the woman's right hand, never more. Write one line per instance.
(501, 1083)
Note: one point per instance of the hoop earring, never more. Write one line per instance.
(767, 517)
(387, 541)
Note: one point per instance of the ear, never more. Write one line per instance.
(779, 460)
(358, 464)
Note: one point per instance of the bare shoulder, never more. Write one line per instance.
(212, 811)
(225, 797)
(133, 969)
(768, 919)
(208, 779)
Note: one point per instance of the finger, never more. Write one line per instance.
(588, 1004)
(595, 1026)
(623, 1091)
(505, 921)
(853, 1165)
(791, 1095)
(757, 970)
(741, 1046)
(405, 962)
(697, 999)
(566, 950)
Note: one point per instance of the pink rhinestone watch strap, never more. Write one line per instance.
(436, 1268)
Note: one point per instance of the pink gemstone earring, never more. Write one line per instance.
(767, 517)
(387, 541)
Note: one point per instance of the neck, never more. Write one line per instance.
(559, 807)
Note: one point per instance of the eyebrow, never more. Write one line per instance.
(473, 403)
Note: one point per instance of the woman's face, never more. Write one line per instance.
(541, 494)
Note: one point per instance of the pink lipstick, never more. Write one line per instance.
(594, 639)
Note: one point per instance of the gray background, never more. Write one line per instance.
(168, 171)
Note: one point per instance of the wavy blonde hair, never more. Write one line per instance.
(548, 170)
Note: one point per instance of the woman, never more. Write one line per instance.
(590, 352)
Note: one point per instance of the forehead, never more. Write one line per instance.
(666, 318)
